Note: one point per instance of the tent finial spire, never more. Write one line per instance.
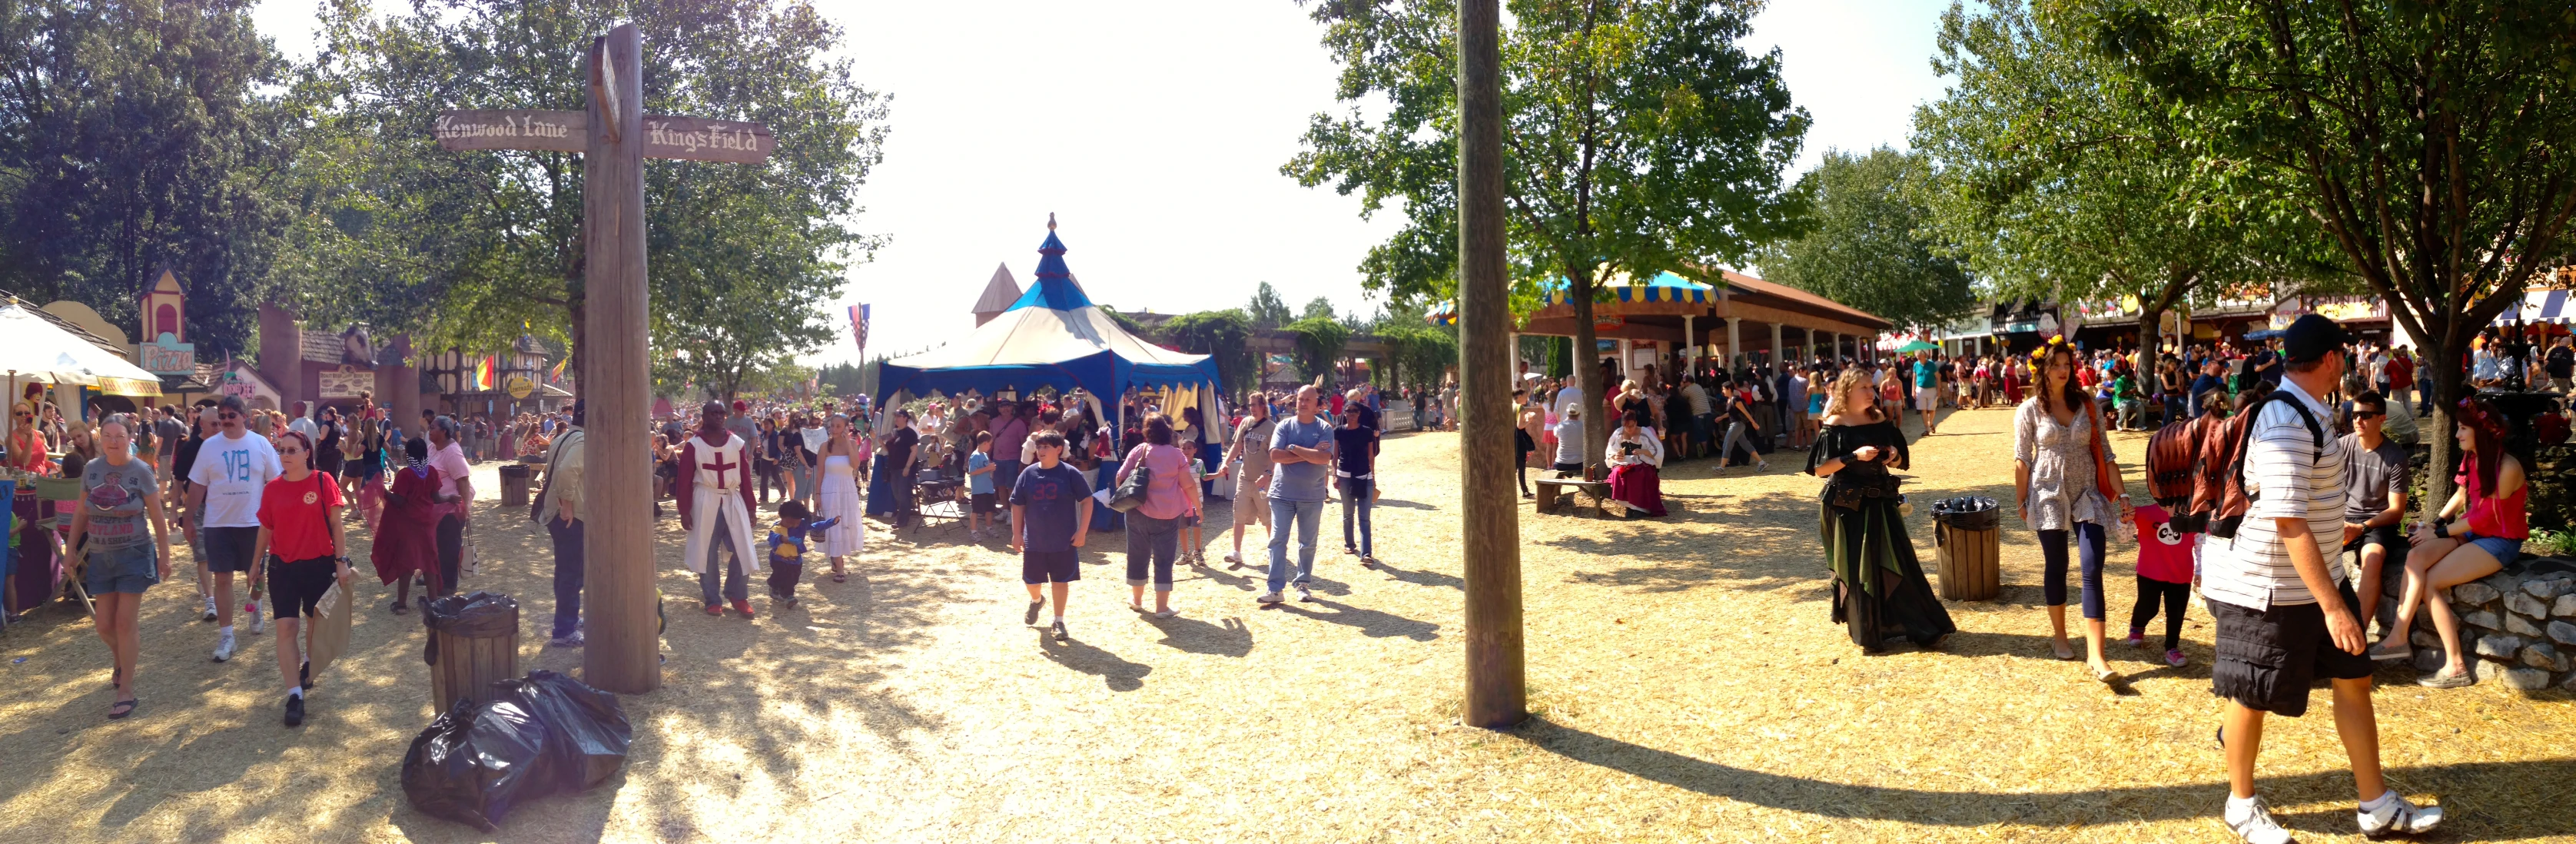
(1050, 221)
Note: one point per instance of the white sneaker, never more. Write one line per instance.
(224, 647)
(2257, 826)
(1235, 557)
(210, 608)
(2399, 817)
(1305, 595)
(1268, 598)
(258, 620)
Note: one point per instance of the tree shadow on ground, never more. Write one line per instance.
(2462, 786)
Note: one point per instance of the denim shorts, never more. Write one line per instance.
(2504, 550)
(129, 569)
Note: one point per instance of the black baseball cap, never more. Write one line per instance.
(2311, 337)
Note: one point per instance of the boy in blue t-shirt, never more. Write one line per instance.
(787, 540)
(1050, 519)
(979, 486)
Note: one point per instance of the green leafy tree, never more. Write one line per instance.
(1319, 344)
(1418, 355)
(840, 379)
(1639, 136)
(2429, 143)
(135, 136)
(2058, 181)
(1317, 307)
(1870, 246)
(1267, 310)
(492, 240)
(1224, 335)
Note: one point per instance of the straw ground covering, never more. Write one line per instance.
(1686, 684)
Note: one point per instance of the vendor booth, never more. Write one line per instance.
(1052, 337)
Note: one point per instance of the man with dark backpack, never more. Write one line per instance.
(2284, 611)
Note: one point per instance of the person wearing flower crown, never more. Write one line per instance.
(2479, 531)
(1879, 591)
(2060, 453)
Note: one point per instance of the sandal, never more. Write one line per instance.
(401, 608)
(122, 708)
(838, 577)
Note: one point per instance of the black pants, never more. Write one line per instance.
(568, 576)
(451, 551)
(783, 577)
(2175, 597)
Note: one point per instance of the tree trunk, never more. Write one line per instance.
(2438, 375)
(1587, 364)
(2149, 343)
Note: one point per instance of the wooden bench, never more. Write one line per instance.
(1550, 488)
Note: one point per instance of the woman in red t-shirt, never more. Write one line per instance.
(299, 522)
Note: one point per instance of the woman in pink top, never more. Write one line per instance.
(2479, 531)
(1153, 529)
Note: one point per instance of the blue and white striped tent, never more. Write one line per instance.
(2541, 306)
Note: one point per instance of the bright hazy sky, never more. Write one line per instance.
(1155, 135)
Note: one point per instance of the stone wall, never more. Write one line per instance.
(2520, 626)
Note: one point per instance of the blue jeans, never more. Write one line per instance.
(1309, 517)
(2173, 410)
(568, 575)
(1358, 494)
(720, 544)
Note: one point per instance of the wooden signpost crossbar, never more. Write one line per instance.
(614, 136)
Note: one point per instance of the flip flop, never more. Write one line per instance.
(122, 708)
(401, 608)
(838, 577)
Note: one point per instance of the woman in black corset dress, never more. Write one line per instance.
(1879, 589)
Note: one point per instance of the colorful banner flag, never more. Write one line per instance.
(859, 327)
(485, 379)
(557, 375)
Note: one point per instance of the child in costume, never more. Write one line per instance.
(796, 526)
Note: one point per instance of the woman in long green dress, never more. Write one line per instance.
(1879, 589)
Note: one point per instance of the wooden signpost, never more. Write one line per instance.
(614, 137)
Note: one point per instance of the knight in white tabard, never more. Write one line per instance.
(717, 510)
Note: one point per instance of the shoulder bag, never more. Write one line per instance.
(1131, 492)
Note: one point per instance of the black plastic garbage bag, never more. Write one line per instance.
(586, 731)
(1967, 512)
(476, 762)
(473, 615)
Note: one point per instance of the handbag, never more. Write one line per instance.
(2106, 475)
(465, 560)
(1131, 492)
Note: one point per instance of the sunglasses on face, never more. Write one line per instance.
(228, 417)
(290, 450)
(2367, 414)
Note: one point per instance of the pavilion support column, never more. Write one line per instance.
(1734, 350)
(1777, 345)
(1690, 344)
(1497, 694)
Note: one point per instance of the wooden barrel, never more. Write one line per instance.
(466, 667)
(514, 485)
(1967, 562)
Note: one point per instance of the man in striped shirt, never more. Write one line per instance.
(2284, 612)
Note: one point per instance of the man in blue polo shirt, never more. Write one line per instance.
(1301, 454)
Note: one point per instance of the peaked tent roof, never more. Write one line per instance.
(998, 293)
(1052, 336)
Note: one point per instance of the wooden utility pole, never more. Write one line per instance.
(614, 137)
(1497, 696)
(624, 650)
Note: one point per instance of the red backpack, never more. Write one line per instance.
(2170, 461)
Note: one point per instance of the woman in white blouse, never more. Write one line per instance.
(1636, 458)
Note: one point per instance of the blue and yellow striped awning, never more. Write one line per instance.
(1443, 314)
(1666, 287)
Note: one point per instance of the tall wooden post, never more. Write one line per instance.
(1496, 695)
(623, 654)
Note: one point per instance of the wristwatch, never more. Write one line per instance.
(2441, 529)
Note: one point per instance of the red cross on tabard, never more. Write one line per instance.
(720, 466)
